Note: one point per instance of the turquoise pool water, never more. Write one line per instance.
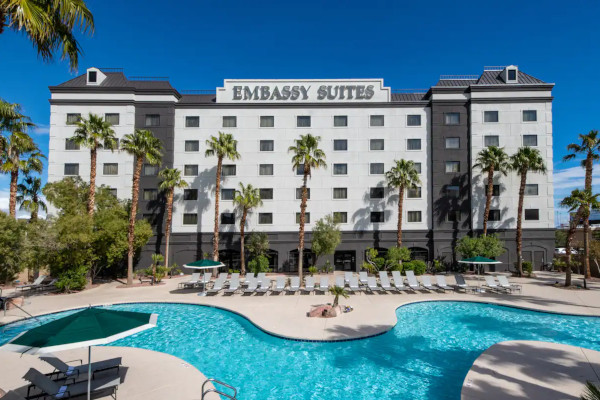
(425, 356)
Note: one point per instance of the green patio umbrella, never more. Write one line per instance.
(479, 261)
(204, 264)
(86, 328)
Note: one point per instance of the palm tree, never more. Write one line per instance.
(29, 193)
(308, 155)
(223, 146)
(171, 180)
(583, 201)
(143, 146)
(94, 133)
(592, 392)
(247, 198)
(523, 161)
(402, 176)
(20, 154)
(11, 120)
(490, 160)
(337, 292)
(49, 25)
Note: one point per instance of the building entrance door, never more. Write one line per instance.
(345, 260)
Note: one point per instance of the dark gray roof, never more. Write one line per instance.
(493, 78)
(198, 99)
(408, 97)
(455, 82)
(118, 80)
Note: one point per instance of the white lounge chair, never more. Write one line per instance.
(372, 284)
(294, 284)
(399, 281)
(504, 283)
(279, 284)
(412, 280)
(73, 371)
(461, 284)
(33, 285)
(264, 284)
(384, 280)
(206, 278)
(354, 286)
(490, 282)
(347, 277)
(340, 282)
(363, 277)
(323, 284)
(261, 275)
(234, 285)
(252, 286)
(217, 286)
(309, 284)
(426, 283)
(194, 279)
(222, 276)
(441, 283)
(234, 275)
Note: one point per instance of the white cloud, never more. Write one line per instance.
(4, 200)
(565, 180)
(41, 129)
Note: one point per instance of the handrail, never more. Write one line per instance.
(214, 390)
(217, 392)
(5, 301)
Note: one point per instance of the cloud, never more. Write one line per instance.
(41, 130)
(4, 200)
(572, 178)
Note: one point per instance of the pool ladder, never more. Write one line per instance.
(217, 391)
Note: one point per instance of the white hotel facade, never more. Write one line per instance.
(364, 126)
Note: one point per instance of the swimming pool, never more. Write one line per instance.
(425, 356)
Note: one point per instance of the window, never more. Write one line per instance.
(491, 140)
(490, 116)
(190, 219)
(340, 193)
(71, 169)
(377, 120)
(413, 144)
(72, 119)
(299, 193)
(92, 76)
(495, 190)
(265, 169)
(414, 193)
(152, 120)
(227, 218)
(530, 140)
(306, 218)
(190, 194)
(340, 145)
(340, 120)
(300, 169)
(376, 168)
(227, 194)
(451, 118)
(229, 170)
(112, 191)
(112, 118)
(192, 122)
(266, 194)
(110, 169)
(267, 145)
(494, 215)
(529, 115)
(70, 144)
(303, 121)
(417, 166)
(377, 216)
(452, 191)
(512, 74)
(453, 216)
(532, 214)
(531, 189)
(150, 194)
(192, 145)
(452, 143)
(376, 144)
(150, 170)
(340, 217)
(190, 170)
(452, 167)
(376, 193)
(413, 216)
(265, 218)
(413, 120)
(229, 122)
(340, 169)
(267, 121)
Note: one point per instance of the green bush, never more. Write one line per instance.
(439, 266)
(259, 264)
(312, 270)
(72, 279)
(527, 268)
(417, 266)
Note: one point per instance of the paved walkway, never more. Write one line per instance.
(531, 370)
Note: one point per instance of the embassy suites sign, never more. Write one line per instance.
(303, 91)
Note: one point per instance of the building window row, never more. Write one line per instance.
(531, 214)
(493, 116)
(494, 140)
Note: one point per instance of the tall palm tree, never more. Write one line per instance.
(49, 25)
(247, 198)
(143, 146)
(402, 176)
(224, 147)
(170, 180)
(523, 161)
(583, 201)
(11, 120)
(490, 160)
(308, 155)
(29, 195)
(94, 133)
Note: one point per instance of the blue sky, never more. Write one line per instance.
(197, 44)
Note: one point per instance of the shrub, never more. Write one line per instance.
(528, 268)
(438, 266)
(259, 264)
(419, 267)
(312, 270)
(72, 279)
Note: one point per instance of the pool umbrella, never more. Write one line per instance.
(204, 264)
(479, 261)
(86, 328)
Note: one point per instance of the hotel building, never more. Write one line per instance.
(364, 126)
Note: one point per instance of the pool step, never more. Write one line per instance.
(219, 392)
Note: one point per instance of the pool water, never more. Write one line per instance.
(425, 356)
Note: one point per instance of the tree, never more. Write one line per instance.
(523, 161)
(258, 244)
(94, 133)
(402, 176)
(29, 193)
(591, 392)
(224, 147)
(49, 25)
(337, 292)
(171, 180)
(143, 146)
(246, 198)
(392, 260)
(326, 236)
(489, 246)
(490, 160)
(12, 233)
(157, 260)
(307, 155)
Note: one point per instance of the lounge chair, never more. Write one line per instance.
(363, 277)
(347, 277)
(384, 280)
(252, 286)
(222, 276)
(54, 390)
(461, 284)
(339, 281)
(354, 286)
(372, 284)
(294, 284)
(69, 371)
(216, 287)
(12, 395)
(398, 281)
(503, 281)
(309, 284)
(261, 275)
(426, 283)
(206, 277)
(234, 285)
(279, 285)
(264, 284)
(490, 282)
(234, 275)
(441, 283)
(33, 285)
(47, 286)
(412, 280)
(323, 284)
(194, 280)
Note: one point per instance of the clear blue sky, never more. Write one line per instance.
(409, 44)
